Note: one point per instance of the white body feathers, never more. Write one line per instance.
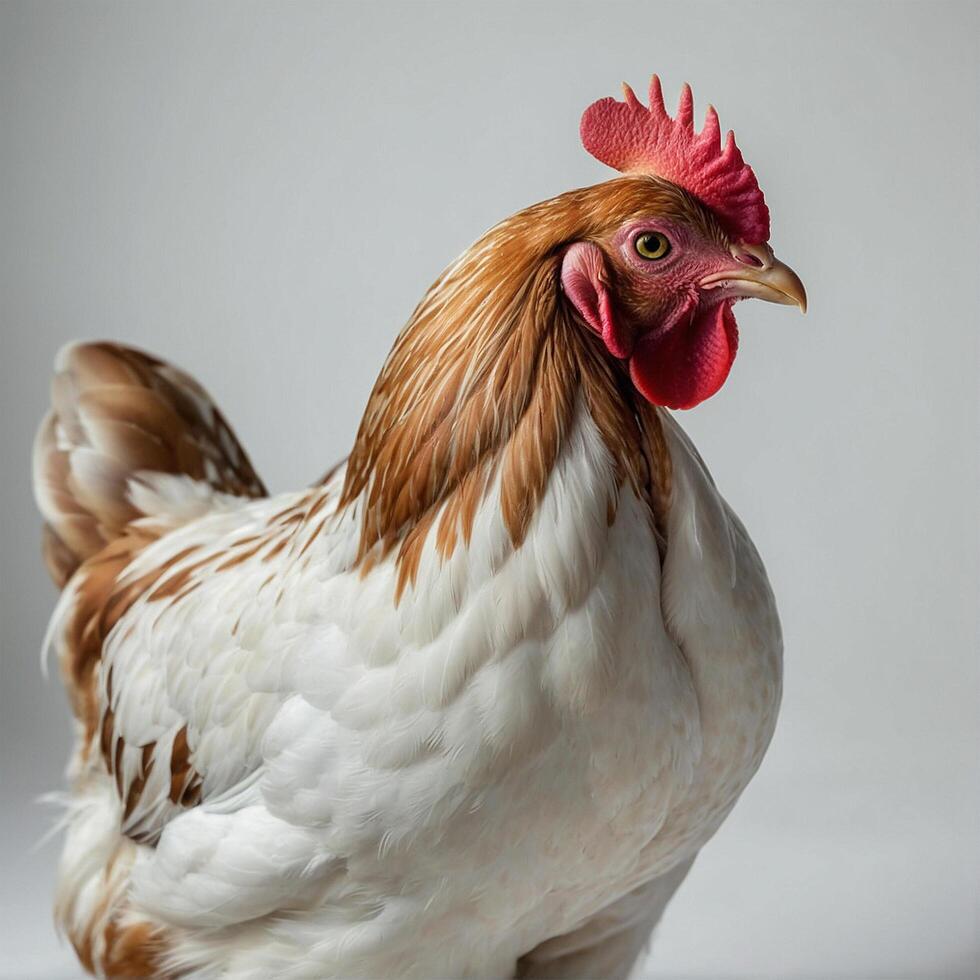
(438, 786)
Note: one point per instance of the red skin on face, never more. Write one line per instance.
(679, 340)
(678, 337)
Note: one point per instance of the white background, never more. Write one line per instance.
(262, 193)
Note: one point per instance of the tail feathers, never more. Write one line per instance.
(117, 416)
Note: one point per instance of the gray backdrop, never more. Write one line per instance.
(262, 193)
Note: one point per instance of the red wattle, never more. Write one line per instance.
(688, 363)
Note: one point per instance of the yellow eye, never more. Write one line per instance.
(652, 245)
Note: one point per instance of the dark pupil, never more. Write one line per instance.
(651, 243)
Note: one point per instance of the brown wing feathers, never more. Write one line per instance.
(117, 412)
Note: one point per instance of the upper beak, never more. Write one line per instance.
(760, 274)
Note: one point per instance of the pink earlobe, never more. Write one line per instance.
(583, 277)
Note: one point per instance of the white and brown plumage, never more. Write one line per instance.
(469, 707)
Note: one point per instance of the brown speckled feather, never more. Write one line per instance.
(116, 412)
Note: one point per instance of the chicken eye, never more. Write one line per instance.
(652, 245)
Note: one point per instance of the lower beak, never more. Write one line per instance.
(759, 274)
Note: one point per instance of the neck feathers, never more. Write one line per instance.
(483, 384)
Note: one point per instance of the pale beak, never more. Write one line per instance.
(759, 274)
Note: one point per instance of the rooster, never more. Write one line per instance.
(472, 704)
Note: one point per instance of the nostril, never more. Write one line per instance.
(746, 258)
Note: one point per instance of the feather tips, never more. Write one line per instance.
(117, 413)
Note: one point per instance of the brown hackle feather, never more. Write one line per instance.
(482, 383)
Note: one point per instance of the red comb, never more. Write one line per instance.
(634, 139)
